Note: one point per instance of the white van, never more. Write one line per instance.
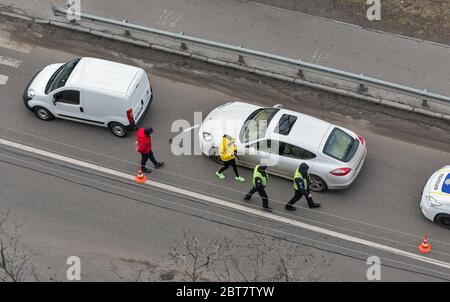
(91, 91)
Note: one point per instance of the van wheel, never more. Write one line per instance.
(443, 220)
(118, 129)
(317, 184)
(43, 114)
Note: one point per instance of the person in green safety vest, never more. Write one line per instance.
(301, 187)
(260, 181)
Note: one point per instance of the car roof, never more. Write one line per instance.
(98, 74)
(307, 131)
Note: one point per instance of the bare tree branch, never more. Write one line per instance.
(14, 260)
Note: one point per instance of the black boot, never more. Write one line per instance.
(267, 209)
(290, 207)
(159, 165)
(316, 205)
(146, 170)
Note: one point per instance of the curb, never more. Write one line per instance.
(239, 67)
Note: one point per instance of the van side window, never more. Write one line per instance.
(68, 97)
(295, 152)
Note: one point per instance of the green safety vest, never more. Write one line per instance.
(256, 174)
(299, 175)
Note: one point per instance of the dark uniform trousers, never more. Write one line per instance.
(299, 195)
(262, 193)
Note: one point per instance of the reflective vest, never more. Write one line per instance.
(264, 179)
(299, 175)
(226, 149)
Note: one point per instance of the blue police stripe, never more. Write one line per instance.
(446, 185)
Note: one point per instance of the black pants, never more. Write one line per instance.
(226, 165)
(262, 193)
(146, 157)
(299, 195)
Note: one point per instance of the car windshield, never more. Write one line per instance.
(256, 125)
(340, 145)
(60, 77)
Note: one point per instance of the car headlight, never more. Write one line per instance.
(31, 93)
(432, 201)
(207, 136)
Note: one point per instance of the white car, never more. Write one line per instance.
(334, 154)
(91, 91)
(435, 203)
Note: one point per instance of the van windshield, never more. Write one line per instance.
(60, 77)
(340, 145)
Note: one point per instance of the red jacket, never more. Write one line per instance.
(144, 141)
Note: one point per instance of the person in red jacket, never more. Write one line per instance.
(144, 146)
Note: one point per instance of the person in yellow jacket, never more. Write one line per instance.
(227, 153)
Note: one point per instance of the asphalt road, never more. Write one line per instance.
(62, 217)
(317, 40)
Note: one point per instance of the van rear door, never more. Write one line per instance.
(140, 95)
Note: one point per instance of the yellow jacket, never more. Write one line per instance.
(227, 148)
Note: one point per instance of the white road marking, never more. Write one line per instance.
(3, 79)
(13, 45)
(10, 62)
(223, 203)
(169, 18)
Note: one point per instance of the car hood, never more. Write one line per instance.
(439, 186)
(227, 119)
(41, 80)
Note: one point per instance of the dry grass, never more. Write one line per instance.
(426, 19)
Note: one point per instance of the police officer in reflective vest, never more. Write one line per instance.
(301, 187)
(260, 181)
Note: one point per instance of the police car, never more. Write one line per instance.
(435, 203)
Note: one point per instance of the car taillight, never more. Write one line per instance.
(361, 139)
(341, 171)
(130, 117)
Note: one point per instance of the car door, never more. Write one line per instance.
(262, 152)
(291, 156)
(67, 103)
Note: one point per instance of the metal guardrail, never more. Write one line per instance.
(362, 80)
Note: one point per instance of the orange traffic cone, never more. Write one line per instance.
(424, 246)
(140, 177)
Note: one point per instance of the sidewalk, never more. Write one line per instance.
(392, 58)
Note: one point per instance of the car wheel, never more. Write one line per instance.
(443, 220)
(118, 129)
(43, 114)
(214, 156)
(317, 184)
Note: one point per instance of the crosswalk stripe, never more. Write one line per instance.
(3, 79)
(13, 45)
(10, 62)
